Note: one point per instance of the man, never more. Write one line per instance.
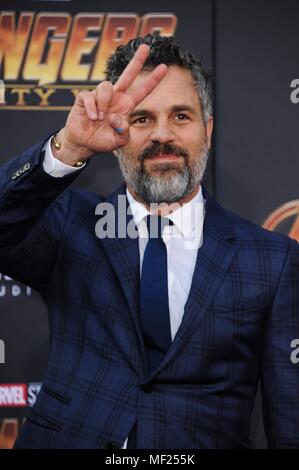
(158, 339)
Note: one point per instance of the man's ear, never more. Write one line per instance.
(209, 130)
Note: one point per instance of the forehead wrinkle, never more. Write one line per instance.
(177, 80)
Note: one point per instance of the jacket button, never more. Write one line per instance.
(26, 166)
(147, 388)
(113, 445)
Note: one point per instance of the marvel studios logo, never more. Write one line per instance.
(19, 395)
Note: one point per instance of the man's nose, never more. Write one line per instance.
(163, 133)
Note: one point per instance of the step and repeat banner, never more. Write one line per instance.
(257, 105)
(49, 51)
(257, 115)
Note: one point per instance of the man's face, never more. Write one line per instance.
(166, 156)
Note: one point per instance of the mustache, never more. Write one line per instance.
(163, 149)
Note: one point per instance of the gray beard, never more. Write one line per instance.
(167, 189)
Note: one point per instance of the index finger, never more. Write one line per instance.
(132, 69)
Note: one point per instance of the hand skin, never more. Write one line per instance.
(92, 122)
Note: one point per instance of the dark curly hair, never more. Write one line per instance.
(167, 51)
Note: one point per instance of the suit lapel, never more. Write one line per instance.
(213, 260)
(123, 253)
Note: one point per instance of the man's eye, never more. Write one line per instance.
(141, 120)
(181, 116)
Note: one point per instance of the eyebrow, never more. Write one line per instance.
(183, 107)
(140, 112)
(174, 109)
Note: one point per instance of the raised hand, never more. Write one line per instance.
(97, 121)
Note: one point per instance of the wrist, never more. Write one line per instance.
(67, 152)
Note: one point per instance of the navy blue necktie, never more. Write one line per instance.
(154, 308)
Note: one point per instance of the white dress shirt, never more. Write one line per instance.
(182, 240)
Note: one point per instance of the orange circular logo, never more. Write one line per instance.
(286, 211)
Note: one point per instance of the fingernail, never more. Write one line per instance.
(94, 116)
(101, 116)
(119, 130)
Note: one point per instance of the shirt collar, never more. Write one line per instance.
(187, 218)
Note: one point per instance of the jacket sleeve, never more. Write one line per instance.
(33, 208)
(280, 373)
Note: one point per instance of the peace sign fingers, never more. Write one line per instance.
(132, 69)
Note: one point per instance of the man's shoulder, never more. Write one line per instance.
(243, 230)
(247, 231)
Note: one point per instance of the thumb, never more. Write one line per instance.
(121, 129)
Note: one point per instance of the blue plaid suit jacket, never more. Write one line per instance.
(239, 320)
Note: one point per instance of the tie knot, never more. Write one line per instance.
(156, 224)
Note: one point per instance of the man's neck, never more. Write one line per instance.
(164, 209)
